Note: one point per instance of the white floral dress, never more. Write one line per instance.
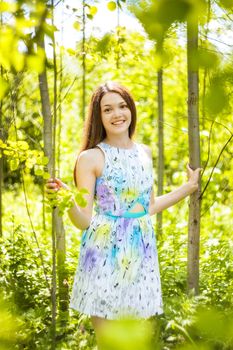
(118, 270)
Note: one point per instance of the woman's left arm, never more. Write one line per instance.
(158, 204)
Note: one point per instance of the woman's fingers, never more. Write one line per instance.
(56, 182)
(52, 185)
(191, 169)
(193, 174)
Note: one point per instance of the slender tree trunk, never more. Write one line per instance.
(160, 139)
(48, 149)
(60, 231)
(194, 155)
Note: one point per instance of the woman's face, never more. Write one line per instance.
(115, 114)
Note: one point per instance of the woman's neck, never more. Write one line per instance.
(118, 141)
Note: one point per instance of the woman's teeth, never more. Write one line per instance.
(118, 123)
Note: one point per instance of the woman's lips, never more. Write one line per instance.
(119, 122)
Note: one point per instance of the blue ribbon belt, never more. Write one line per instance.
(127, 214)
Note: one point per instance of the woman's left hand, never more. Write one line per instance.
(193, 175)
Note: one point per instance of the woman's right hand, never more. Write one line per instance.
(53, 185)
(59, 195)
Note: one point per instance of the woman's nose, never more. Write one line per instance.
(118, 112)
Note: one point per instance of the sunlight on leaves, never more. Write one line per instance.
(111, 5)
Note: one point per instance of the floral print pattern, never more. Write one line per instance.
(118, 269)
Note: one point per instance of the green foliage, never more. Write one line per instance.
(19, 32)
(92, 10)
(157, 17)
(64, 199)
(20, 156)
(228, 4)
(21, 271)
(23, 284)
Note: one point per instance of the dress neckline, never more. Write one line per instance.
(121, 148)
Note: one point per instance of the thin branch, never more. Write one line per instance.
(184, 131)
(215, 51)
(219, 41)
(58, 3)
(68, 90)
(208, 154)
(228, 141)
(209, 119)
(222, 191)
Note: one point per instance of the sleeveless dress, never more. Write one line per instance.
(118, 270)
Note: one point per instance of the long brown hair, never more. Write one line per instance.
(94, 131)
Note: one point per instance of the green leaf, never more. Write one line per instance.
(49, 29)
(39, 172)
(36, 62)
(29, 164)
(71, 52)
(45, 160)
(93, 10)
(14, 163)
(111, 5)
(46, 176)
(8, 152)
(80, 200)
(83, 191)
(77, 25)
(23, 145)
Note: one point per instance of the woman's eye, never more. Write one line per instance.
(124, 106)
(107, 110)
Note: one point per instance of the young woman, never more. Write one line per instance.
(118, 271)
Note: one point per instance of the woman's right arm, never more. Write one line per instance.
(85, 178)
(85, 174)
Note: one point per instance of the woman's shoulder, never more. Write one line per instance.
(90, 155)
(147, 149)
(91, 159)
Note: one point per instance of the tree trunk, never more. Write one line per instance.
(160, 140)
(48, 150)
(59, 227)
(194, 155)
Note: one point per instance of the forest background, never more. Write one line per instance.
(44, 95)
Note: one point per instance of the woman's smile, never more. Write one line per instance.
(119, 122)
